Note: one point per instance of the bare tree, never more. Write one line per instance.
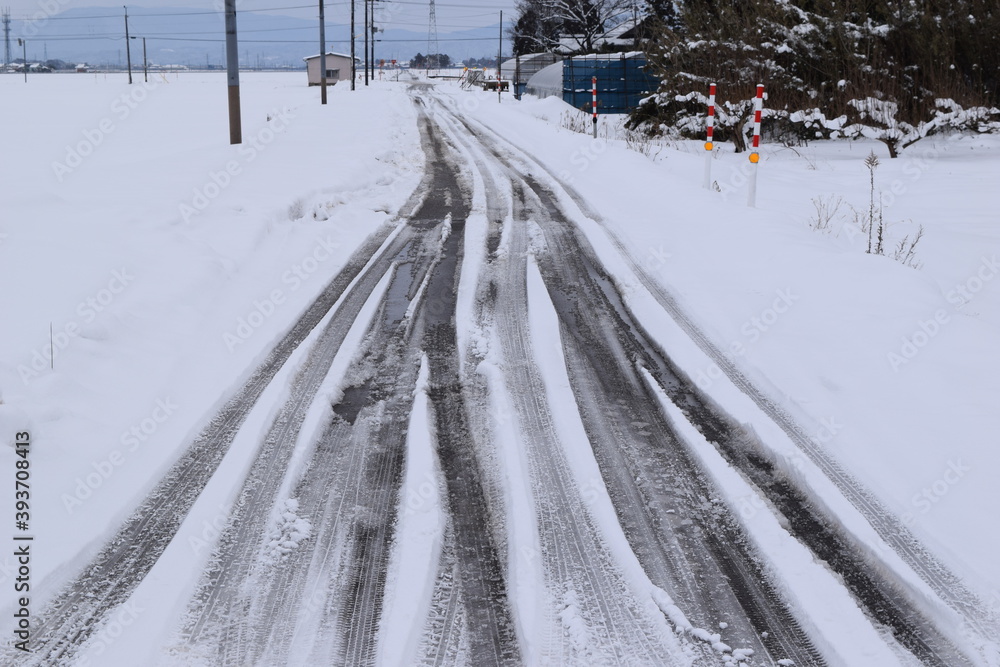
(584, 21)
(534, 29)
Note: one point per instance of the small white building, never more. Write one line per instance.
(338, 67)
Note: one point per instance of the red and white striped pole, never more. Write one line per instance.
(593, 83)
(758, 105)
(709, 129)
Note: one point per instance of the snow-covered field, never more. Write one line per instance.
(162, 263)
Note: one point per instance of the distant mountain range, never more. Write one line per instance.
(195, 37)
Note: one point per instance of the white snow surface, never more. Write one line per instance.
(167, 262)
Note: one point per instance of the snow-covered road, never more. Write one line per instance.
(513, 470)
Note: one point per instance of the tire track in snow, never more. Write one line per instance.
(349, 489)
(879, 595)
(70, 618)
(350, 486)
(591, 614)
(883, 602)
(980, 622)
(581, 568)
(618, 413)
(492, 639)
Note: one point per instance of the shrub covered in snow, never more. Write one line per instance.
(895, 72)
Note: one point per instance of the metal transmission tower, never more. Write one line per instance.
(6, 37)
(432, 39)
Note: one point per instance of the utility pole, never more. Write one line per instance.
(354, 67)
(145, 63)
(322, 54)
(500, 61)
(517, 77)
(128, 51)
(366, 41)
(233, 74)
(23, 43)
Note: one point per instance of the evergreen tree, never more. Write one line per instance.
(888, 70)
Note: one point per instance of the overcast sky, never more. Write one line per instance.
(401, 14)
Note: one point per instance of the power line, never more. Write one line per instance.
(262, 9)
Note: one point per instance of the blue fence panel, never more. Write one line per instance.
(621, 82)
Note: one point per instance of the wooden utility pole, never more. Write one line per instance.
(354, 67)
(23, 43)
(500, 61)
(322, 54)
(128, 51)
(233, 74)
(374, 31)
(366, 41)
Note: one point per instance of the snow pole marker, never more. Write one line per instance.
(758, 104)
(709, 129)
(593, 84)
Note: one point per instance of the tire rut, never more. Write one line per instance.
(492, 640)
(882, 599)
(884, 603)
(349, 487)
(644, 464)
(73, 615)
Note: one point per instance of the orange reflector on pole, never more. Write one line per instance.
(758, 105)
(709, 129)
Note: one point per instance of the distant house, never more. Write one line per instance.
(631, 33)
(82, 68)
(338, 67)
